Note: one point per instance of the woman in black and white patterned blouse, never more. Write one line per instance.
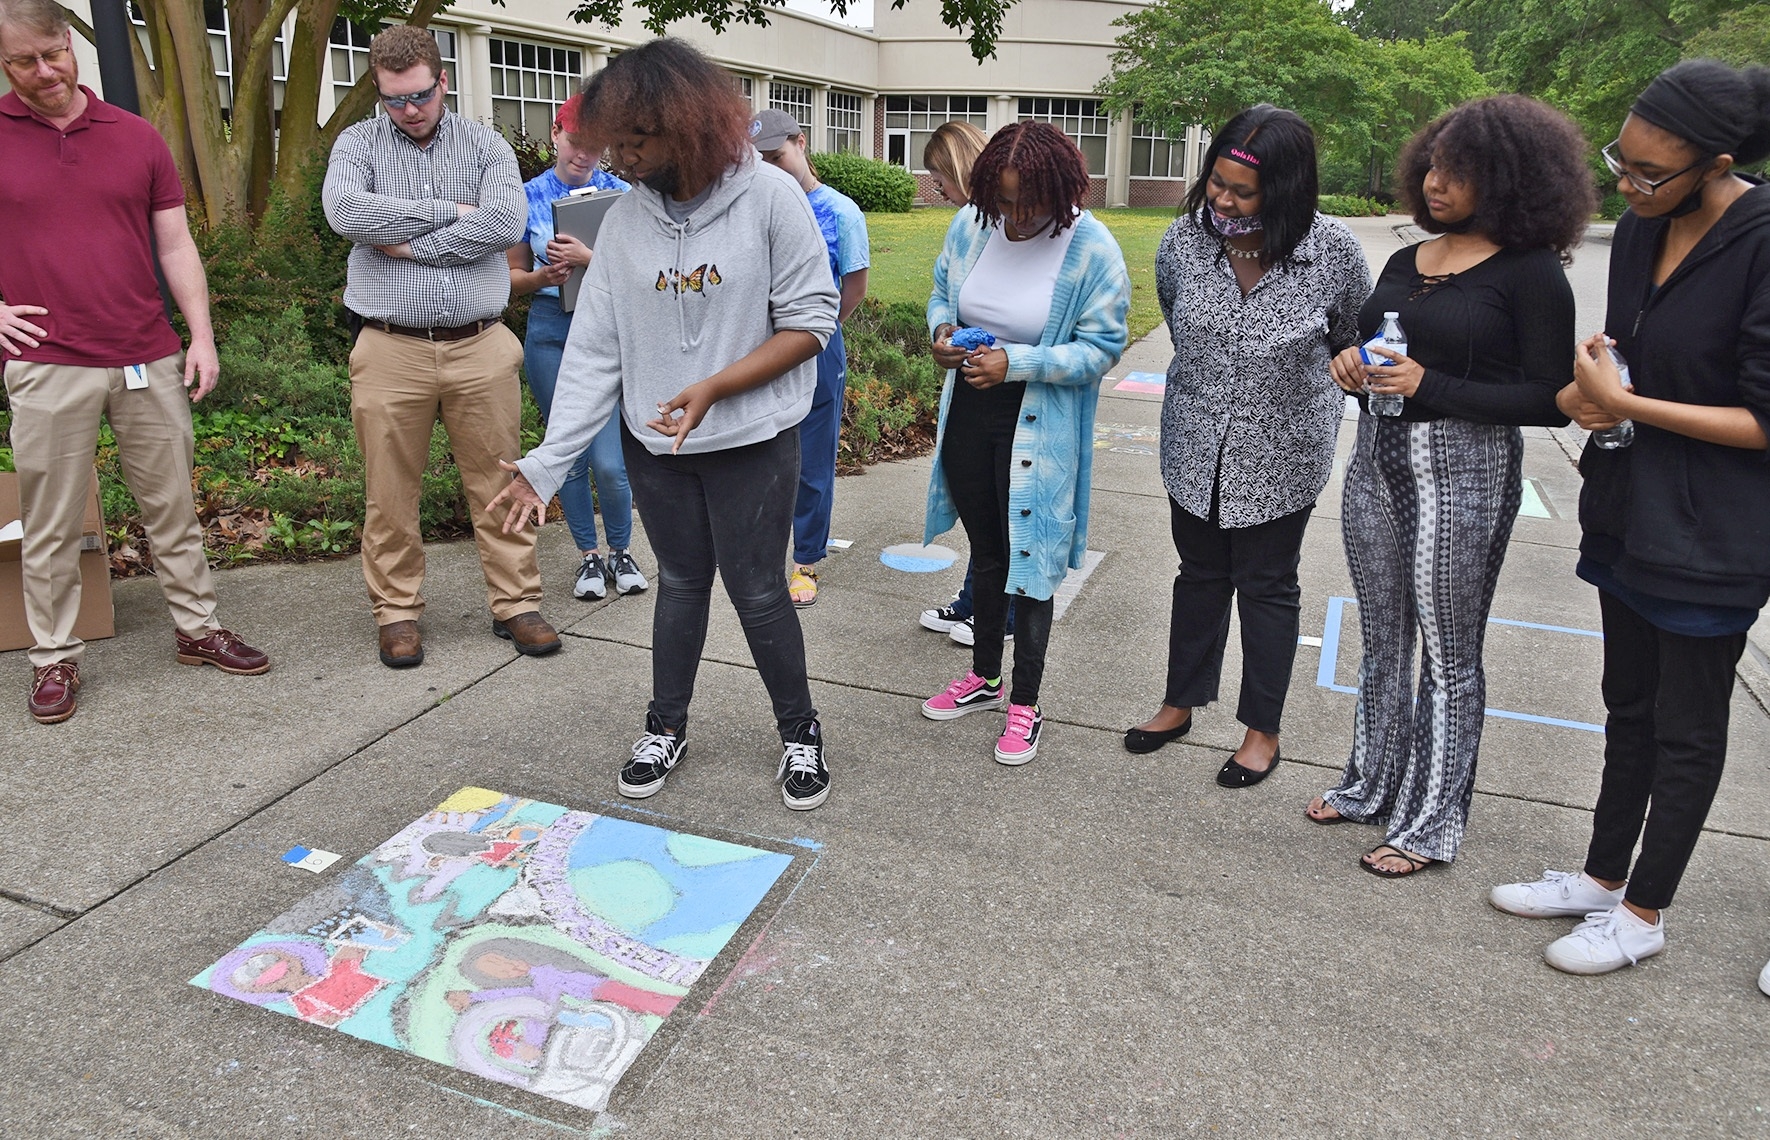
(1259, 291)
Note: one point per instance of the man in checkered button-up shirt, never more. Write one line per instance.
(432, 201)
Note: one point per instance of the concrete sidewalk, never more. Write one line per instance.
(1095, 945)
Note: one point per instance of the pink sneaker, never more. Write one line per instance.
(968, 694)
(1019, 741)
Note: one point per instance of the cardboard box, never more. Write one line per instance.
(97, 619)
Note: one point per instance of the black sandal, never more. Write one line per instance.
(1415, 863)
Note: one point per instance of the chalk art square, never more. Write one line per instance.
(516, 940)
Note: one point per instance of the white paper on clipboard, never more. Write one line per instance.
(580, 215)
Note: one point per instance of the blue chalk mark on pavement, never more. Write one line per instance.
(914, 558)
(1330, 662)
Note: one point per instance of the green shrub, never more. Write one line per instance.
(876, 187)
(1351, 206)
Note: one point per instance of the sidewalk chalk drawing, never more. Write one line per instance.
(1127, 439)
(1148, 383)
(513, 939)
(914, 558)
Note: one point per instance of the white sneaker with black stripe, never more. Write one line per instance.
(941, 620)
(624, 572)
(654, 755)
(592, 581)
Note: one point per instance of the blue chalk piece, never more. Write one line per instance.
(296, 854)
(970, 338)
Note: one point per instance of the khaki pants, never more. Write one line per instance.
(55, 415)
(399, 385)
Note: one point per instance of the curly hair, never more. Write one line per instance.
(1052, 172)
(668, 89)
(403, 47)
(1526, 163)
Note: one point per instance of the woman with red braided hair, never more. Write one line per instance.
(1038, 287)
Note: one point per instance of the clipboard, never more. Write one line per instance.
(580, 215)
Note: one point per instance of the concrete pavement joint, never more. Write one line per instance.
(76, 916)
(47, 908)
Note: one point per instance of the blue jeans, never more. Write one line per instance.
(541, 350)
(819, 434)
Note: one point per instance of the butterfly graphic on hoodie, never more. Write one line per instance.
(675, 281)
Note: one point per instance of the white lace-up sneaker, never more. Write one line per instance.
(1607, 940)
(1558, 894)
(591, 583)
(625, 572)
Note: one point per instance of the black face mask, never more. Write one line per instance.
(666, 180)
(1692, 202)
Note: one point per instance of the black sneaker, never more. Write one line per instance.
(942, 620)
(654, 754)
(592, 581)
(805, 780)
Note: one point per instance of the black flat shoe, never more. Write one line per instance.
(1234, 775)
(1139, 740)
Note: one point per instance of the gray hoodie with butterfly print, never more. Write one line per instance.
(665, 304)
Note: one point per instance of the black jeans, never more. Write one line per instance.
(1256, 565)
(976, 453)
(1665, 743)
(731, 511)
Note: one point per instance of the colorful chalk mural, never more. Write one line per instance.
(514, 939)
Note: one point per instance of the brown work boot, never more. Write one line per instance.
(223, 649)
(52, 691)
(529, 633)
(402, 646)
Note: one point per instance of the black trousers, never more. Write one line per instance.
(730, 511)
(1665, 743)
(1256, 565)
(975, 453)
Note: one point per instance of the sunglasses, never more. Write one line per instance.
(1613, 159)
(398, 102)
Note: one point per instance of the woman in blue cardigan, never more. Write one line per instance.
(1013, 460)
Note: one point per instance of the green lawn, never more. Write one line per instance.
(904, 247)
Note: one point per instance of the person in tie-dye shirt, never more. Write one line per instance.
(539, 266)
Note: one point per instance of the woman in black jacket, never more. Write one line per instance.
(1677, 526)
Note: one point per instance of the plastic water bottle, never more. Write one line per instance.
(1622, 434)
(1392, 338)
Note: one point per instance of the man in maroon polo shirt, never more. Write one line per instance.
(87, 193)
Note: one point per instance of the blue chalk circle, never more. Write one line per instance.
(914, 558)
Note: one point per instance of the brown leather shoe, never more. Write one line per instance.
(402, 646)
(529, 633)
(52, 691)
(223, 649)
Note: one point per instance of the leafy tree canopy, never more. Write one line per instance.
(981, 20)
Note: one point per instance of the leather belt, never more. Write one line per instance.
(459, 332)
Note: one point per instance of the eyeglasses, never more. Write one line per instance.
(29, 62)
(1613, 159)
(396, 102)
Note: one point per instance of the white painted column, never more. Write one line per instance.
(473, 59)
(1118, 161)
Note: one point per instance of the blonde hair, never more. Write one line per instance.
(952, 152)
(45, 17)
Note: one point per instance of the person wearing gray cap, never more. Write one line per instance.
(781, 140)
(1677, 525)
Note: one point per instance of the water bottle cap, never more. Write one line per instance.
(1391, 316)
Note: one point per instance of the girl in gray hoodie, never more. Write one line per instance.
(699, 320)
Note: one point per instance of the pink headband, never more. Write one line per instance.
(1244, 157)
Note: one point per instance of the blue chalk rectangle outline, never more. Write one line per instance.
(1330, 662)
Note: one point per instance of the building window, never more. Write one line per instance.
(747, 88)
(221, 52)
(842, 126)
(350, 59)
(794, 100)
(911, 120)
(530, 82)
(1082, 120)
(1154, 154)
